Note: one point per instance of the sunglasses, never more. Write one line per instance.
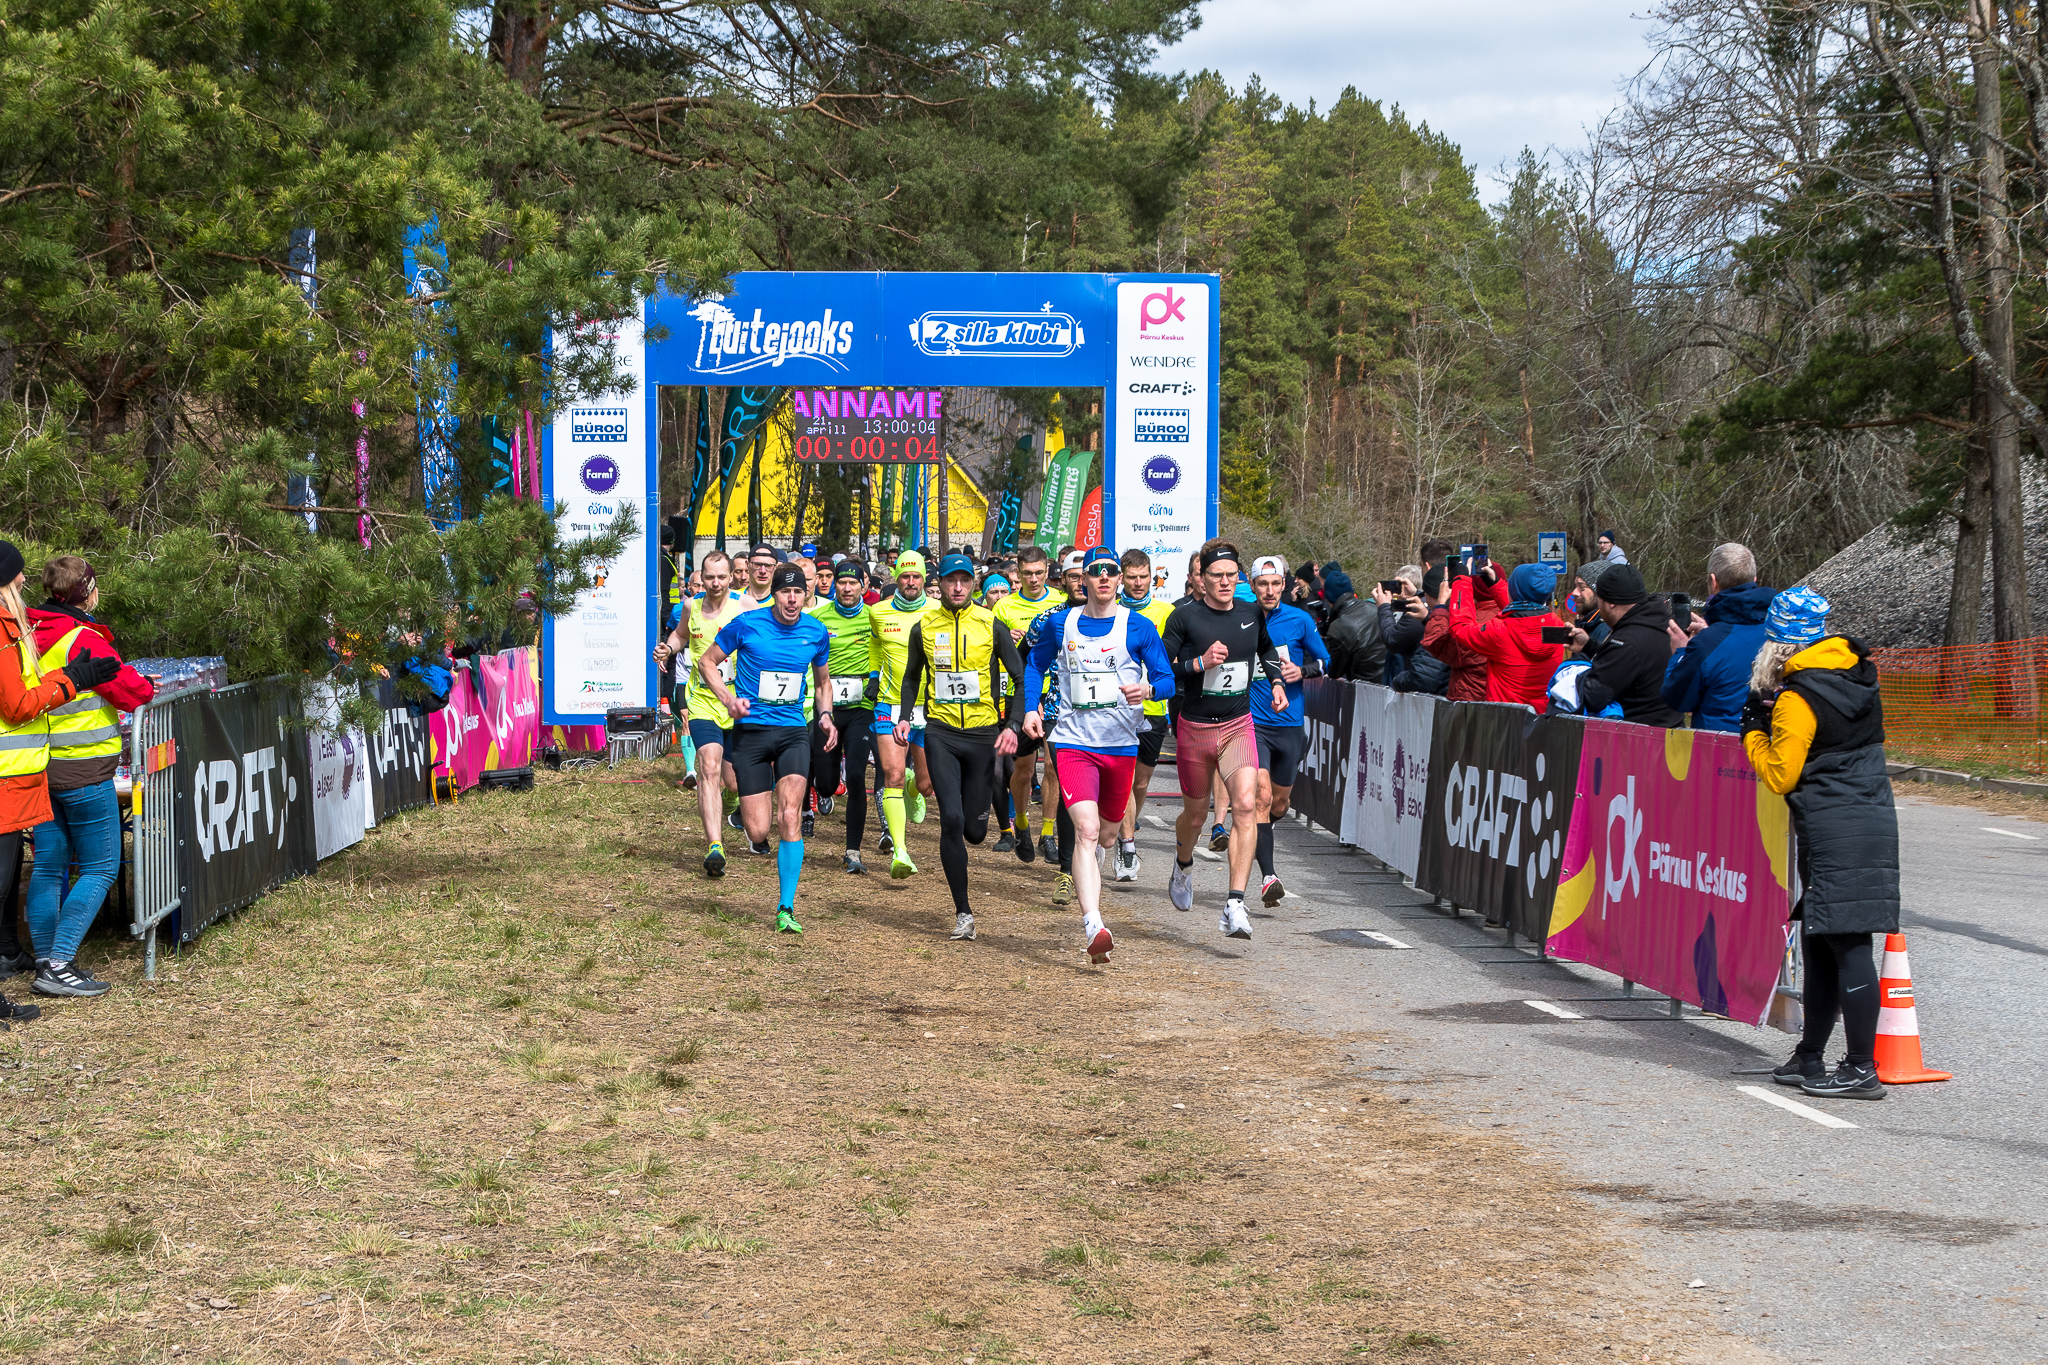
(1102, 571)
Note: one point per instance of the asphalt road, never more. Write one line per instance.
(1917, 1235)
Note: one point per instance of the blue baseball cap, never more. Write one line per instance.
(952, 564)
(1098, 554)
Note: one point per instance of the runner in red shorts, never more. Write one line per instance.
(1213, 641)
(1110, 663)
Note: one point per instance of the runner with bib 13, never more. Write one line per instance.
(1213, 640)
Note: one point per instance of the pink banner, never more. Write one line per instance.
(511, 698)
(459, 739)
(1675, 871)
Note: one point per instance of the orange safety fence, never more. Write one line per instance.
(1979, 705)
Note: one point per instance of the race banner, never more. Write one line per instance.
(510, 706)
(1326, 764)
(1501, 780)
(339, 760)
(457, 731)
(1675, 871)
(244, 814)
(400, 759)
(1390, 789)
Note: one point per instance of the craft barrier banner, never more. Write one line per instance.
(1326, 763)
(339, 760)
(1501, 780)
(400, 759)
(1390, 760)
(1675, 872)
(245, 792)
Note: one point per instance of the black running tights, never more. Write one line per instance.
(963, 772)
(1841, 975)
(855, 743)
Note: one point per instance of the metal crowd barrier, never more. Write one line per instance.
(155, 889)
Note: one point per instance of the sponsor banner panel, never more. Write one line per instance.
(1390, 763)
(339, 760)
(1501, 780)
(245, 792)
(460, 741)
(1328, 704)
(1164, 407)
(400, 759)
(1675, 871)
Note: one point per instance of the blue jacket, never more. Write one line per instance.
(1709, 678)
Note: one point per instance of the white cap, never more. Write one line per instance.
(1072, 561)
(1266, 564)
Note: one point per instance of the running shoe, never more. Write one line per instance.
(900, 866)
(785, 921)
(714, 861)
(885, 845)
(1008, 843)
(1847, 1083)
(1180, 886)
(1800, 1068)
(1063, 888)
(1270, 890)
(913, 805)
(1219, 839)
(760, 850)
(1127, 862)
(1026, 852)
(1099, 942)
(810, 824)
(689, 782)
(1048, 848)
(963, 928)
(23, 961)
(825, 804)
(11, 1013)
(853, 865)
(732, 820)
(1235, 922)
(57, 978)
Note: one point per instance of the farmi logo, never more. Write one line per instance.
(597, 426)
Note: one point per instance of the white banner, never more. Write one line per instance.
(340, 764)
(1391, 776)
(597, 654)
(1163, 408)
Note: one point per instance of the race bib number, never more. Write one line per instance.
(953, 688)
(848, 691)
(1259, 673)
(682, 666)
(728, 669)
(915, 720)
(1092, 691)
(775, 688)
(1227, 680)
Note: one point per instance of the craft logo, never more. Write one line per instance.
(231, 799)
(597, 426)
(1044, 335)
(1156, 310)
(1161, 425)
(1489, 812)
(730, 344)
(600, 473)
(1161, 473)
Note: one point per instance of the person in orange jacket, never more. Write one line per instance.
(27, 694)
(1518, 663)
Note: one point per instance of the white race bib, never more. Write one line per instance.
(950, 689)
(728, 669)
(1259, 673)
(915, 719)
(774, 687)
(1227, 680)
(1091, 691)
(848, 691)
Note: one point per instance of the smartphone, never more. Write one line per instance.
(1391, 586)
(1681, 609)
(1480, 557)
(1557, 635)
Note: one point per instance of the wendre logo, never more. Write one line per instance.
(736, 345)
(1043, 334)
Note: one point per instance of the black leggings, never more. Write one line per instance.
(855, 744)
(10, 882)
(1841, 975)
(963, 773)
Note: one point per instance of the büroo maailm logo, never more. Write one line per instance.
(1044, 334)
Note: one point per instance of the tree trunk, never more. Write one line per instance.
(1973, 534)
(805, 473)
(520, 30)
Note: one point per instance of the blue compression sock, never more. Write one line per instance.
(789, 864)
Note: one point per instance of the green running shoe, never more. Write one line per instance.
(785, 921)
(900, 866)
(914, 806)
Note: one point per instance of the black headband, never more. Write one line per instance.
(1218, 553)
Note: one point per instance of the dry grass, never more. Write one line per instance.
(497, 1088)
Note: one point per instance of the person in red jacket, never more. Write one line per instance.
(1467, 665)
(1518, 663)
(84, 824)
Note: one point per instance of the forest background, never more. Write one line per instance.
(1783, 294)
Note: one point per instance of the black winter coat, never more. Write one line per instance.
(1842, 812)
(1357, 649)
(1629, 668)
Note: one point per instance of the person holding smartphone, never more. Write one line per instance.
(1519, 661)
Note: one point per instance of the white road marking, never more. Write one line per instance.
(2008, 833)
(1559, 1010)
(1201, 852)
(1388, 939)
(1157, 823)
(1805, 1111)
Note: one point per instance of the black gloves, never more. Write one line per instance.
(1756, 714)
(873, 691)
(88, 671)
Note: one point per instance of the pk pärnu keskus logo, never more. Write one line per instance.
(1044, 334)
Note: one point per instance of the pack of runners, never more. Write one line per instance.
(975, 691)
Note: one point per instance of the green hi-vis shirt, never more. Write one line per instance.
(852, 656)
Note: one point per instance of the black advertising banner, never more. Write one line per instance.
(245, 792)
(1326, 765)
(1501, 780)
(401, 758)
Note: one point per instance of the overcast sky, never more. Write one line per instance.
(1491, 75)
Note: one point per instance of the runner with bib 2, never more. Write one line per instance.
(959, 654)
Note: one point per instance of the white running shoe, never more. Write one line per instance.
(1126, 864)
(1235, 922)
(1099, 942)
(1180, 887)
(1270, 890)
(963, 928)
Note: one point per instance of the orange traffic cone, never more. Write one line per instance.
(1898, 1024)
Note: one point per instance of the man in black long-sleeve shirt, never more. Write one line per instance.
(1212, 641)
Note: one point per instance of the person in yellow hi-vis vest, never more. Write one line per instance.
(84, 827)
(27, 694)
